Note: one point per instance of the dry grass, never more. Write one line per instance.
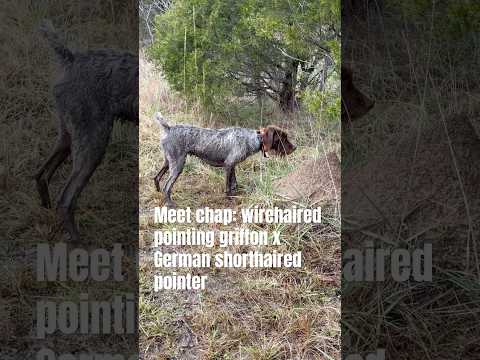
(411, 177)
(29, 125)
(243, 313)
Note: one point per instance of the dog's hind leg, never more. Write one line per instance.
(45, 173)
(176, 168)
(160, 174)
(87, 152)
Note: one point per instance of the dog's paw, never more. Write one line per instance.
(170, 204)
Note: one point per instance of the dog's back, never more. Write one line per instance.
(213, 146)
(100, 80)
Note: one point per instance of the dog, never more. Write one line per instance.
(96, 88)
(217, 147)
(355, 104)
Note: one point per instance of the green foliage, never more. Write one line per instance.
(213, 50)
(324, 105)
(452, 18)
(464, 16)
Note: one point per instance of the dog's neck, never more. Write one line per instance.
(260, 135)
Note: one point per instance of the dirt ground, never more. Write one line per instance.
(316, 181)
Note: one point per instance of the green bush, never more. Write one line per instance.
(216, 50)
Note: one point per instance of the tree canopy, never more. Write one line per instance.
(215, 49)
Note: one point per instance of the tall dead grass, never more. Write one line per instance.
(409, 179)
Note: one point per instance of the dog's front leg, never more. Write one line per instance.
(230, 180)
(233, 180)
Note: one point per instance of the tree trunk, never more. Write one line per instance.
(287, 98)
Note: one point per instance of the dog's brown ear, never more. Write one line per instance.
(267, 137)
(355, 104)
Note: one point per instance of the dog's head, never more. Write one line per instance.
(355, 104)
(275, 141)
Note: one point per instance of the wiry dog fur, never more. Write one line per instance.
(97, 87)
(217, 147)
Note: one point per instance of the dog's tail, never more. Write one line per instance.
(64, 55)
(161, 120)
